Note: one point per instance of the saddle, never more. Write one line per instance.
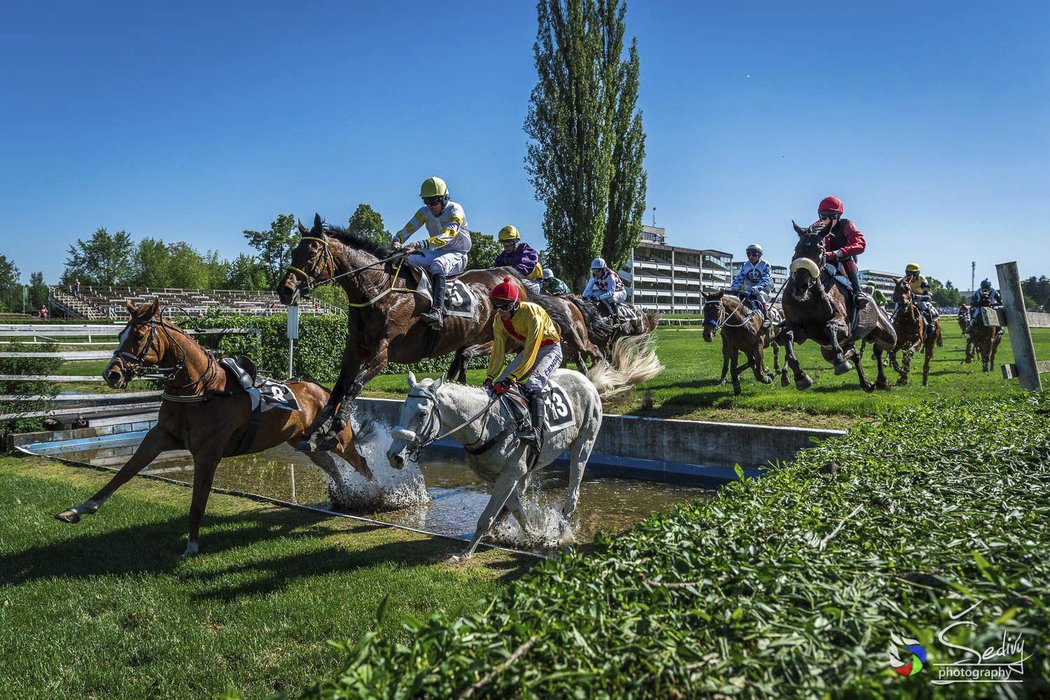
(241, 370)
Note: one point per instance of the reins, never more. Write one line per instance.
(312, 283)
(140, 364)
(419, 445)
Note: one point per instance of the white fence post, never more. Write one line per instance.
(1017, 322)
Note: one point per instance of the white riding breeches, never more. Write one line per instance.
(548, 359)
(439, 262)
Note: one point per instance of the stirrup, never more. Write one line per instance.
(434, 319)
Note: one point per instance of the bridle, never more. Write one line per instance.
(136, 365)
(311, 281)
(723, 320)
(420, 441)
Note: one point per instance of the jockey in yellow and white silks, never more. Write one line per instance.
(444, 252)
(605, 287)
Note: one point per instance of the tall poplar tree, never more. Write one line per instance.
(587, 142)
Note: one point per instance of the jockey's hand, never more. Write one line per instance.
(488, 383)
(743, 293)
(395, 244)
(833, 256)
(500, 388)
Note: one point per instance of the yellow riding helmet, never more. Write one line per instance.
(509, 233)
(433, 187)
(912, 267)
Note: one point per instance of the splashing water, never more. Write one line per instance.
(547, 527)
(392, 489)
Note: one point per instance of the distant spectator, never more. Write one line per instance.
(43, 312)
(76, 286)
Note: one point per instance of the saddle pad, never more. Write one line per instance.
(459, 300)
(270, 394)
(558, 409)
(627, 312)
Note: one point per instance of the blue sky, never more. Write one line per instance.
(193, 121)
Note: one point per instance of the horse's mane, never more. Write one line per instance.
(555, 310)
(359, 241)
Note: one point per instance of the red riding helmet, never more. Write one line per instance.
(505, 294)
(830, 204)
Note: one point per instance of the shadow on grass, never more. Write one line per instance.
(156, 548)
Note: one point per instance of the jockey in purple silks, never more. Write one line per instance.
(521, 256)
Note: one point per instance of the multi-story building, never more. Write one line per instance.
(660, 277)
(883, 281)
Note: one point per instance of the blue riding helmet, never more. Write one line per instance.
(986, 284)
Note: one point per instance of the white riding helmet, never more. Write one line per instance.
(754, 247)
(547, 274)
(598, 264)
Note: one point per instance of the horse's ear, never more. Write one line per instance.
(317, 222)
(130, 307)
(303, 231)
(153, 309)
(798, 229)
(411, 379)
(437, 385)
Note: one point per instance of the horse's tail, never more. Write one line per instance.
(634, 361)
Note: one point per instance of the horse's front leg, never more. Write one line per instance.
(323, 424)
(926, 363)
(880, 367)
(153, 443)
(726, 352)
(864, 383)
(831, 334)
(205, 461)
(905, 369)
(757, 355)
(369, 369)
(802, 380)
(734, 373)
(504, 487)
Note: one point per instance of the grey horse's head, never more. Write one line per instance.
(417, 423)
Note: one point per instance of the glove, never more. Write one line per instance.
(396, 244)
(833, 256)
(488, 383)
(500, 388)
(744, 293)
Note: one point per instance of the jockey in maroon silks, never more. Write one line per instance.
(842, 244)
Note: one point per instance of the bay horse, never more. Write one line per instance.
(384, 322)
(742, 331)
(205, 412)
(815, 307)
(911, 329)
(985, 339)
(604, 331)
(963, 318)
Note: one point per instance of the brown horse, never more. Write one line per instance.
(985, 339)
(814, 307)
(384, 323)
(204, 412)
(604, 331)
(912, 334)
(741, 332)
(964, 323)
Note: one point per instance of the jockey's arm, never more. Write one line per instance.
(417, 220)
(588, 291)
(855, 243)
(531, 349)
(499, 350)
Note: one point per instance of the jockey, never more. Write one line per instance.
(842, 244)
(920, 294)
(988, 296)
(521, 256)
(552, 285)
(605, 287)
(754, 282)
(541, 354)
(444, 252)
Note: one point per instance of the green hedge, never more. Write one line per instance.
(29, 397)
(789, 585)
(318, 351)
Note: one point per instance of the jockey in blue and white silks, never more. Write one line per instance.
(988, 296)
(755, 279)
(605, 287)
(445, 250)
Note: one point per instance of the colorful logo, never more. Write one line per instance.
(907, 656)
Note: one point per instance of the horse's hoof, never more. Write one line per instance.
(722, 382)
(459, 558)
(307, 445)
(868, 387)
(784, 379)
(903, 381)
(69, 516)
(328, 442)
(843, 368)
(804, 382)
(736, 390)
(191, 550)
(882, 386)
(767, 379)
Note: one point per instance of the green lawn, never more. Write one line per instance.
(108, 609)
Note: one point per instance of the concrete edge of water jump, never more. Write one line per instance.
(657, 449)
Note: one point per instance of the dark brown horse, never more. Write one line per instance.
(985, 338)
(964, 323)
(604, 331)
(384, 323)
(912, 334)
(204, 412)
(814, 307)
(741, 332)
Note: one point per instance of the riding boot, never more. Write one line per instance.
(435, 317)
(526, 431)
(536, 412)
(859, 297)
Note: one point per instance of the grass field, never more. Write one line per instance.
(108, 609)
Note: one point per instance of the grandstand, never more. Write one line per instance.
(108, 302)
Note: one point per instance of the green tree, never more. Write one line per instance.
(188, 270)
(366, 221)
(10, 286)
(587, 142)
(150, 264)
(37, 290)
(483, 250)
(1038, 289)
(275, 246)
(104, 259)
(246, 272)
